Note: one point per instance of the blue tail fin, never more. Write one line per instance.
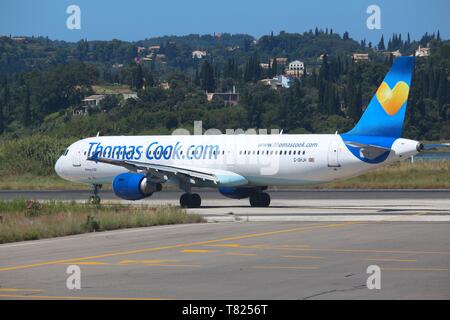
(385, 113)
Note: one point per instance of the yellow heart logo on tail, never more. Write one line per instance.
(392, 99)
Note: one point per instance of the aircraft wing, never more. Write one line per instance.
(368, 151)
(164, 172)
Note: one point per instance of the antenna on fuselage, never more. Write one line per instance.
(281, 132)
(98, 134)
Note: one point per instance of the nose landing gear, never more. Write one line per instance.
(95, 199)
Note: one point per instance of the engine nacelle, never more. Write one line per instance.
(237, 193)
(134, 186)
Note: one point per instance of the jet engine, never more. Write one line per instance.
(134, 186)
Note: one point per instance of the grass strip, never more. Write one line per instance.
(31, 220)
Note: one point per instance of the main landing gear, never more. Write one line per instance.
(259, 199)
(95, 199)
(190, 200)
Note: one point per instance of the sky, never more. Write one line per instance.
(133, 20)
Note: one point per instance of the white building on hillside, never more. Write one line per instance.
(94, 100)
(297, 65)
(198, 54)
(422, 52)
(295, 69)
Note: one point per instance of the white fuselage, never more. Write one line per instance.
(263, 160)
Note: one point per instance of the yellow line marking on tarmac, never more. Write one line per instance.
(304, 257)
(264, 247)
(197, 251)
(240, 254)
(18, 290)
(198, 243)
(375, 251)
(285, 267)
(172, 265)
(87, 263)
(295, 246)
(275, 247)
(339, 250)
(354, 250)
(414, 269)
(144, 261)
(76, 297)
(148, 263)
(395, 260)
(227, 245)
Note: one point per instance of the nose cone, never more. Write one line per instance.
(59, 167)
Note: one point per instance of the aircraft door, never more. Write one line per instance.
(76, 159)
(333, 153)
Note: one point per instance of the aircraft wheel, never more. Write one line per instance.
(185, 200)
(259, 200)
(196, 201)
(188, 200)
(254, 200)
(265, 199)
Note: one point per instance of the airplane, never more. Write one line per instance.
(244, 165)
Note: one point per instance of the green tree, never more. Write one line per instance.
(138, 77)
(252, 71)
(27, 107)
(354, 93)
(111, 101)
(207, 81)
(381, 44)
(4, 106)
(274, 67)
(2, 125)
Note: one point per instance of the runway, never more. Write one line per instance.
(240, 260)
(290, 205)
(211, 194)
(307, 245)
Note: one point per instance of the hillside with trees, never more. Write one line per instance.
(42, 82)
